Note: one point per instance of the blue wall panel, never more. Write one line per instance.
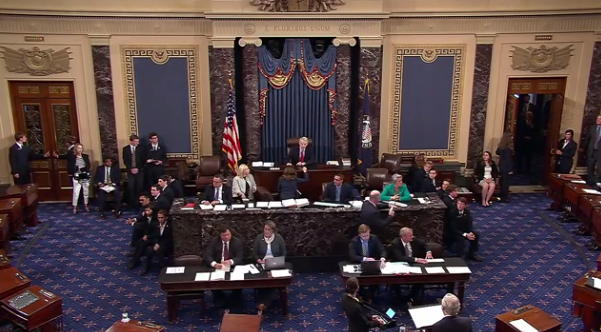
(162, 102)
(426, 103)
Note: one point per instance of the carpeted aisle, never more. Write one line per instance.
(527, 261)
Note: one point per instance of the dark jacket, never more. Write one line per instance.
(417, 180)
(358, 321)
(164, 241)
(226, 194)
(19, 159)
(428, 186)
(161, 203)
(448, 201)
(288, 188)
(71, 164)
(159, 154)
(460, 224)
(115, 176)
(294, 155)
(372, 217)
(375, 249)
(565, 161)
(168, 192)
(177, 188)
(479, 171)
(505, 159)
(215, 251)
(418, 248)
(453, 324)
(140, 161)
(589, 141)
(278, 247)
(347, 193)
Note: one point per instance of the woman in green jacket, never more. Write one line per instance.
(396, 191)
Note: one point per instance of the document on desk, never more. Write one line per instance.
(395, 268)
(578, 181)
(458, 269)
(426, 316)
(435, 269)
(220, 207)
(591, 191)
(596, 283)
(224, 268)
(236, 276)
(415, 269)
(217, 275)
(275, 205)
(350, 268)
(436, 260)
(289, 202)
(238, 206)
(300, 202)
(262, 204)
(241, 269)
(202, 276)
(422, 200)
(356, 204)
(280, 273)
(523, 326)
(176, 270)
(206, 207)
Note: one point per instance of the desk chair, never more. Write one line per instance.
(375, 179)
(208, 166)
(240, 323)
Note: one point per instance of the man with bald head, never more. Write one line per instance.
(370, 213)
(407, 248)
(451, 322)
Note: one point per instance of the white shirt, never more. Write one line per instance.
(132, 148)
(410, 248)
(19, 145)
(219, 194)
(564, 144)
(162, 228)
(223, 244)
(155, 147)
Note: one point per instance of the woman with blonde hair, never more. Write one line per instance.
(244, 185)
(78, 168)
(288, 183)
(505, 153)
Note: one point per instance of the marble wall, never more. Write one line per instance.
(221, 69)
(592, 106)
(251, 102)
(104, 98)
(479, 102)
(343, 87)
(371, 66)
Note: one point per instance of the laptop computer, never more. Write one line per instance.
(275, 263)
(370, 268)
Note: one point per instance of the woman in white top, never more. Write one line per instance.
(487, 172)
(244, 185)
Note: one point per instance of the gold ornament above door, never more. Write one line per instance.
(36, 62)
(297, 5)
(542, 59)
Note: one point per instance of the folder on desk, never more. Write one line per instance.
(275, 205)
(262, 204)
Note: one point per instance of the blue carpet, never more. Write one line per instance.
(83, 260)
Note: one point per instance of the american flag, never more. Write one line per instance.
(231, 140)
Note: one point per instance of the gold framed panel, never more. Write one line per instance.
(428, 54)
(161, 55)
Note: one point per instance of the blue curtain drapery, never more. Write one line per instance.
(297, 98)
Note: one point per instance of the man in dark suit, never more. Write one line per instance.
(451, 322)
(161, 202)
(217, 193)
(420, 176)
(339, 191)
(370, 213)
(592, 146)
(155, 157)
(147, 237)
(71, 141)
(411, 250)
(142, 221)
(176, 186)
(301, 155)
(461, 227)
(133, 160)
(165, 189)
(366, 247)
(19, 155)
(429, 185)
(107, 176)
(442, 191)
(566, 150)
(225, 251)
(449, 198)
(160, 242)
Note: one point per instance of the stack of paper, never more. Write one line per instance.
(356, 204)
(217, 275)
(107, 188)
(280, 273)
(250, 205)
(327, 204)
(275, 205)
(436, 260)
(302, 202)
(578, 181)
(591, 191)
(289, 202)
(236, 276)
(397, 204)
(426, 316)
(238, 206)
(437, 269)
(395, 268)
(263, 204)
(257, 164)
(206, 207)
(220, 207)
(458, 269)
(523, 326)
(176, 270)
(415, 269)
(422, 200)
(241, 269)
(332, 163)
(350, 268)
(202, 276)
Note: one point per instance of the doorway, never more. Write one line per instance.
(533, 113)
(46, 113)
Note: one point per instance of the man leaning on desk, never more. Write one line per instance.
(366, 247)
(407, 248)
(224, 252)
(339, 191)
(301, 155)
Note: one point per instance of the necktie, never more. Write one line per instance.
(226, 251)
(364, 249)
(408, 250)
(107, 175)
(133, 157)
(216, 194)
(247, 190)
(302, 156)
(337, 194)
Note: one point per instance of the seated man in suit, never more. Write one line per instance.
(224, 251)
(217, 193)
(429, 185)
(442, 191)
(301, 155)
(339, 191)
(366, 247)
(160, 242)
(161, 202)
(147, 239)
(451, 322)
(411, 250)
(420, 176)
(370, 213)
(176, 186)
(166, 189)
(461, 226)
(108, 176)
(141, 222)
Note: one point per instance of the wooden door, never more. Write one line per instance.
(46, 113)
(553, 134)
(511, 113)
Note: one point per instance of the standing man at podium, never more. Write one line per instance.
(301, 155)
(19, 155)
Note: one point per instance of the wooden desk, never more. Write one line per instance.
(555, 189)
(135, 326)
(12, 208)
(28, 193)
(599, 263)
(10, 284)
(534, 316)
(45, 313)
(312, 189)
(4, 261)
(585, 301)
(4, 233)
(423, 278)
(237, 323)
(183, 287)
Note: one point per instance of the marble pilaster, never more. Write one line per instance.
(343, 87)
(479, 102)
(104, 98)
(251, 103)
(592, 105)
(371, 66)
(221, 69)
